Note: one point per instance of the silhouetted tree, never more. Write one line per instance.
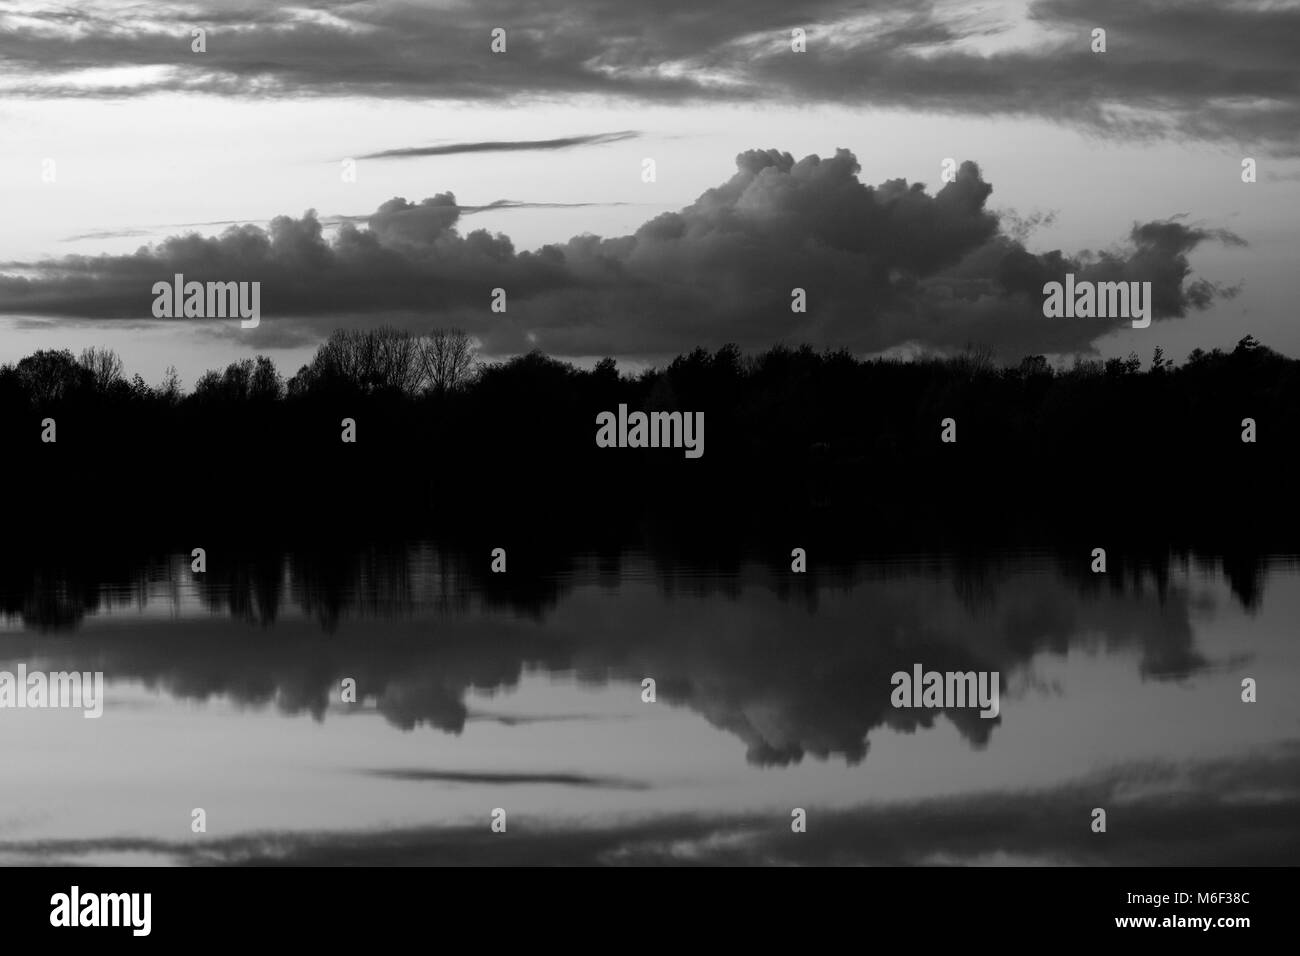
(265, 383)
(49, 375)
(104, 366)
(447, 359)
(606, 370)
(170, 389)
(1034, 365)
(367, 360)
(1158, 363)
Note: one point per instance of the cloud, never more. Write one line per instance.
(507, 146)
(507, 778)
(520, 720)
(328, 222)
(128, 233)
(1239, 811)
(881, 266)
(1201, 69)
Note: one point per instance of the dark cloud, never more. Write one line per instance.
(881, 266)
(505, 778)
(506, 146)
(1201, 69)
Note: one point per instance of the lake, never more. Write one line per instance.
(524, 693)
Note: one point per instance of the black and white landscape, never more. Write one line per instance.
(570, 431)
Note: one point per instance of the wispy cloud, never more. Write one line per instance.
(507, 778)
(332, 221)
(504, 146)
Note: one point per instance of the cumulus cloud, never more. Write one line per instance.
(881, 266)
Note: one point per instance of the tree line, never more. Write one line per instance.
(363, 361)
(442, 434)
(395, 362)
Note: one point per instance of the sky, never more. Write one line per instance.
(774, 169)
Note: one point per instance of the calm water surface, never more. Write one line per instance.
(524, 692)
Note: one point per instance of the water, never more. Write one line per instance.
(524, 692)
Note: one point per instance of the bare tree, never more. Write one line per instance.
(170, 388)
(398, 363)
(447, 357)
(371, 359)
(104, 365)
